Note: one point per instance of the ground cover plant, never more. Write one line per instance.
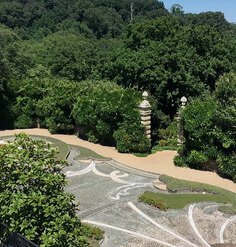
(32, 197)
(199, 192)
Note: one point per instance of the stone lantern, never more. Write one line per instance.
(145, 113)
(183, 101)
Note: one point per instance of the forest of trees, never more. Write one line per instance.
(81, 65)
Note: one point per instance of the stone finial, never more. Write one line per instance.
(183, 101)
(145, 94)
(144, 104)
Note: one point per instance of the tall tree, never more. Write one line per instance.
(13, 65)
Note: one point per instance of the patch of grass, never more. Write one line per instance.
(153, 199)
(163, 148)
(63, 148)
(141, 154)
(178, 201)
(156, 149)
(87, 153)
(93, 234)
(228, 209)
(179, 185)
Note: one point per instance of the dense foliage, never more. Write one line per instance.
(56, 55)
(106, 112)
(210, 130)
(32, 198)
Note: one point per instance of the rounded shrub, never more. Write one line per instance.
(227, 165)
(130, 138)
(196, 158)
(24, 122)
(180, 161)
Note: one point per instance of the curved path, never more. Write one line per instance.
(160, 162)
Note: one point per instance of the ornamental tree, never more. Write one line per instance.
(32, 198)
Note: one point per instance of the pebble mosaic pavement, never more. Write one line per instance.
(108, 194)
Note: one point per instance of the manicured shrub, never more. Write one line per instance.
(227, 165)
(168, 136)
(152, 200)
(130, 138)
(24, 122)
(180, 161)
(196, 158)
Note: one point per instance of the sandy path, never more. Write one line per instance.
(160, 162)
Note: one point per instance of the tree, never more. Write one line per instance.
(142, 9)
(170, 60)
(45, 101)
(226, 88)
(212, 19)
(13, 66)
(209, 130)
(198, 123)
(32, 197)
(66, 55)
(102, 108)
(55, 109)
(12, 14)
(28, 92)
(225, 127)
(104, 22)
(177, 10)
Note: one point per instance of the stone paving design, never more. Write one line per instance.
(108, 194)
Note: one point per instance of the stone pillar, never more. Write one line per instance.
(183, 101)
(145, 113)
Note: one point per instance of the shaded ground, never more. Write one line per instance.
(108, 194)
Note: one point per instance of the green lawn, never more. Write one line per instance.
(63, 148)
(141, 155)
(154, 150)
(87, 153)
(163, 148)
(198, 192)
(178, 201)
